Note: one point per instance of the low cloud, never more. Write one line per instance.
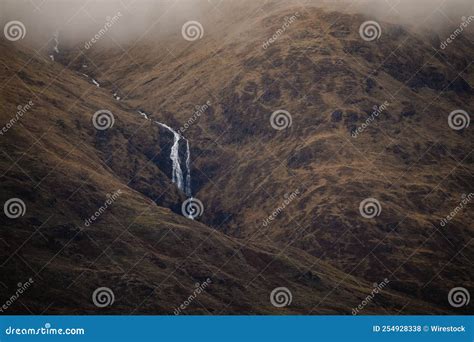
(79, 20)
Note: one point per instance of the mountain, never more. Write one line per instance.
(280, 207)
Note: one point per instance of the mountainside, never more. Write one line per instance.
(281, 207)
(150, 256)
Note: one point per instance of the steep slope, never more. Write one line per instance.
(65, 171)
(329, 80)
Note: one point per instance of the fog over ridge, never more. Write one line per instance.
(79, 20)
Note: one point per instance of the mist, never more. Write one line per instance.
(430, 13)
(79, 20)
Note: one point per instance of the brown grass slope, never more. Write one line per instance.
(63, 169)
(329, 79)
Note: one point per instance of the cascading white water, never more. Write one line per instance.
(97, 84)
(56, 42)
(188, 170)
(145, 115)
(177, 174)
(56, 45)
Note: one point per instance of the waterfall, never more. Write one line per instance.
(188, 170)
(177, 177)
(56, 45)
(93, 81)
(177, 174)
(56, 42)
(184, 184)
(145, 115)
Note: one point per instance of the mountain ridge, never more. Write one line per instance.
(242, 169)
